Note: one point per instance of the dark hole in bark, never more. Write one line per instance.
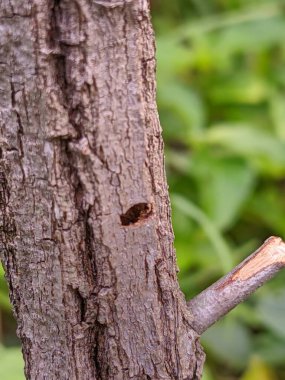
(136, 213)
(1, 153)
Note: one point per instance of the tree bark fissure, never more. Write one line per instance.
(86, 238)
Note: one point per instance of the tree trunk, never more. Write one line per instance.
(86, 237)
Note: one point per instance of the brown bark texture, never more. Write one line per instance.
(85, 230)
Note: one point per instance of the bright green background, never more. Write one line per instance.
(221, 82)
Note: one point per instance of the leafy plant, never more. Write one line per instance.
(221, 80)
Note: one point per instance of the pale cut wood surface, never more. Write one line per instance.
(221, 297)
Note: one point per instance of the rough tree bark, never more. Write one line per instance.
(85, 231)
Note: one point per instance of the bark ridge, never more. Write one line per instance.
(86, 237)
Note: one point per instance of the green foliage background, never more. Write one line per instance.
(221, 82)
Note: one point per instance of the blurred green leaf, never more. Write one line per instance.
(207, 374)
(221, 81)
(172, 58)
(186, 104)
(229, 341)
(268, 207)
(242, 88)
(218, 181)
(221, 248)
(271, 348)
(258, 370)
(271, 309)
(262, 148)
(246, 14)
(277, 110)
(11, 364)
(249, 37)
(4, 298)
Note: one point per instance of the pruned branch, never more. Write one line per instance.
(221, 297)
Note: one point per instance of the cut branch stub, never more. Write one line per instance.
(221, 297)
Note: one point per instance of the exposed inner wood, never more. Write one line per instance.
(221, 297)
(270, 253)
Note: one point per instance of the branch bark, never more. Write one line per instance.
(221, 297)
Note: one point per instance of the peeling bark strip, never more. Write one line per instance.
(225, 294)
(85, 235)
